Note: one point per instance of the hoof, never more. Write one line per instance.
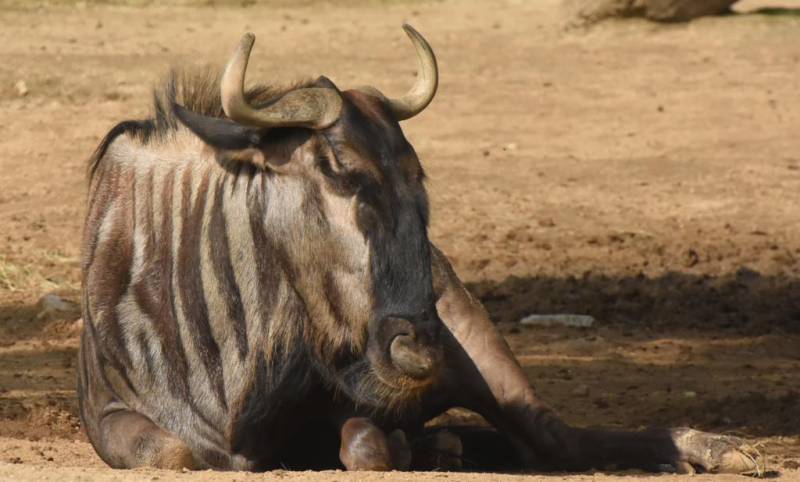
(714, 453)
(744, 459)
(441, 450)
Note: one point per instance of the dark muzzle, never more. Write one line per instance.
(412, 348)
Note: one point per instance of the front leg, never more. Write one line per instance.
(490, 381)
(364, 446)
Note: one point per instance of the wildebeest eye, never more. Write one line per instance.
(345, 183)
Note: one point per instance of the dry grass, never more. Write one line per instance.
(13, 277)
(42, 276)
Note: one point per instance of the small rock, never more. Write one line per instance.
(580, 321)
(690, 258)
(581, 391)
(547, 223)
(601, 403)
(22, 88)
(511, 146)
(51, 305)
(690, 394)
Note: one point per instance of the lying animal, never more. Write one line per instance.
(260, 291)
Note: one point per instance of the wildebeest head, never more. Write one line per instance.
(353, 217)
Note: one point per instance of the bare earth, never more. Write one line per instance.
(646, 175)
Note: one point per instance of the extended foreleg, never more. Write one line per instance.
(490, 381)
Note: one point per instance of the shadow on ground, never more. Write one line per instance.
(745, 302)
(714, 353)
(776, 12)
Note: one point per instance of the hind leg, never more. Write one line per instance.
(121, 437)
(128, 439)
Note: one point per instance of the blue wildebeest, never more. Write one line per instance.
(260, 290)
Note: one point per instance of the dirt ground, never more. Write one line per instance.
(647, 175)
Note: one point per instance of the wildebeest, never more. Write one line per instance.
(260, 291)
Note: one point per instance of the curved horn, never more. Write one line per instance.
(421, 94)
(313, 107)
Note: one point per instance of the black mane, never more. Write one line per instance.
(197, 90)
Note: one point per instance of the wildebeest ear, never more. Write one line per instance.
(219, 133)
(325, 82)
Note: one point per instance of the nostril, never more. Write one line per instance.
(411, 358)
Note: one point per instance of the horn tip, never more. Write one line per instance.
(413, 34)
(248, 38)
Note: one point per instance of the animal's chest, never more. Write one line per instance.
(276, 424)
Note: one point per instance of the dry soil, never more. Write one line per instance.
(647, 175)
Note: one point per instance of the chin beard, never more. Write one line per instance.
(369, 391)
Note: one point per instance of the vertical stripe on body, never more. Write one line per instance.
(108, 265)
(190, 282)
(153, 292)
(220, 254)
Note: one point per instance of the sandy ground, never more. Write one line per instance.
(646, 175)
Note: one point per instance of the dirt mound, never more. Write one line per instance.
(590, 11)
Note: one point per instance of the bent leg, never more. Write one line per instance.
(488, 379)
(121, 437)
(437, 449)
(128, 439)
(364, 446)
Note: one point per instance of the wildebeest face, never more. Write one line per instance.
(368, 160)
(349, 212)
